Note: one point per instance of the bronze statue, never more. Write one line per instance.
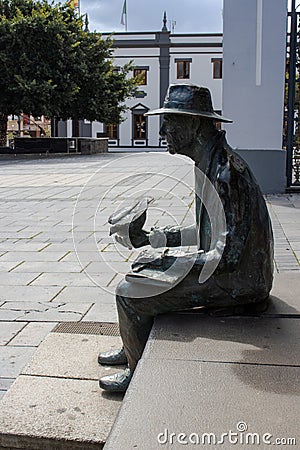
(243, 276)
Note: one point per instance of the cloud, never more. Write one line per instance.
(192, 16)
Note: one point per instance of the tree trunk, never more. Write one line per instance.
(3, 129)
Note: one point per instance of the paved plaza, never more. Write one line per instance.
(57, 260)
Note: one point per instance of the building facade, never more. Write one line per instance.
(26, 125)
(159, 58)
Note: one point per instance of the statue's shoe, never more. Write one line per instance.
(117, 382)
(113, 357)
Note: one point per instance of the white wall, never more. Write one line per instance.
(254, 52)
(254, 69)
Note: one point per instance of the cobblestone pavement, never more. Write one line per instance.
(57, 262)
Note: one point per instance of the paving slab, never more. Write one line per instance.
(13, 360)
(48, 266)
(193, 398)
(8, 330)
(284, 297)
(90, 294)
(70, 279)
(30, 306)
(16, 256)
(22, 247)
(44, 311)
(240, 339)
(5, 383)
(71, 356)
(101, 266)
(17, 279)
(7, 315)
(52, 315)
(33, 334)
(102, 312)
(6, 266)
(25, 293)
(75, 412)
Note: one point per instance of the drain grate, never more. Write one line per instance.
(99, 328)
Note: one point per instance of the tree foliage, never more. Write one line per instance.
(50, 66)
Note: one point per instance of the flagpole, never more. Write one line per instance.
(126, 17)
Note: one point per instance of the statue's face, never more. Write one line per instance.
(181, 132)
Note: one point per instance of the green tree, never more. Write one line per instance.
(50, 66)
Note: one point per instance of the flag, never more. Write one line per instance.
(124, 14)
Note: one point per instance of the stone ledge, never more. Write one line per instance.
(56, 404)
(199, 397)
(31, 443)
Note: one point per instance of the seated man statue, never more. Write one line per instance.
(243, 276)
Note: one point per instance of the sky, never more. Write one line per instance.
(187, 16)
(195, 16)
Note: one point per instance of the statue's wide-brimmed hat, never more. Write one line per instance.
(188, 99)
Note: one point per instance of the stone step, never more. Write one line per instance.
(202, 375)
(56, 403)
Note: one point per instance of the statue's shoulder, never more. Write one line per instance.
(227, 157)
(237, 162)
(234, 159)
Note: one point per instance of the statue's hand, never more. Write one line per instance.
(137, 239)
(157, 238)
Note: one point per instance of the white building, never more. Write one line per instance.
(251, 93)
(160, 58)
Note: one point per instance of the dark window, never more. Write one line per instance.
(183, 69)
(217, 68)
(111, 130)
(139, 126)
(141, 74)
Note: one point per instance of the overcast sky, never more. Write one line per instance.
(195, 16)
(146, 15)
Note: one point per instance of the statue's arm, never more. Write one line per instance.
(238, 213)
(169, 236)
(235, 194)
(173, 236)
